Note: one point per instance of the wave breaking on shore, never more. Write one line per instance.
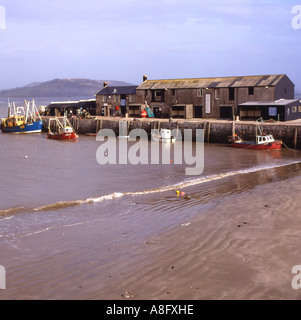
(173, 187)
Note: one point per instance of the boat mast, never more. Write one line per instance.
(15, 112)
(35, 110)
(28, 111)
(9, 109)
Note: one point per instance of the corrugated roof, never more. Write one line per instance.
(222, 82)
(281, 102)
(72, 104)
(117, 90)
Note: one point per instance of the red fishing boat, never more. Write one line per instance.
(262, 141)
(61, 130)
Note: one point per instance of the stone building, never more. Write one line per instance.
(210, 97)
(115, 100)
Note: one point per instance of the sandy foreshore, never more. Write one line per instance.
(243, 248)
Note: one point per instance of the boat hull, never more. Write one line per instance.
(275, 145)
(33, 127)
(63, 136)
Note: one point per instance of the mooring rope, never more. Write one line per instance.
(288, 147)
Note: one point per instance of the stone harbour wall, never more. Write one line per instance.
(215, 131)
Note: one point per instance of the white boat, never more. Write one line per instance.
(163, 136)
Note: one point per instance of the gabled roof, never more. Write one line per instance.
(222, 82)
(117, 90)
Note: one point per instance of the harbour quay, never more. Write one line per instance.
(215, 131)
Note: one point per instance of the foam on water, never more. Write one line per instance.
(117, 195)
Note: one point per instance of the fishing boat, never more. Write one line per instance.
(25, 119)
(164, 135)
(61, 130)
(262, 141)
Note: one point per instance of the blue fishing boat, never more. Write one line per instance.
(25, 119)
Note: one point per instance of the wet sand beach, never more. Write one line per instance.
(243, 248)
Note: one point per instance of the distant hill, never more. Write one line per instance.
(60, 88)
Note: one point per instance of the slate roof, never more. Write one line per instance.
(119, 90)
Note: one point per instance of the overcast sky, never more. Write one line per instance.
(164, 39)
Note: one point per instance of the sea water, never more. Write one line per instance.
(49, 188)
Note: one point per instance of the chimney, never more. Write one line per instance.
(144, 78)
(105, 84)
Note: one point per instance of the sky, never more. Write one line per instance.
(163, 39)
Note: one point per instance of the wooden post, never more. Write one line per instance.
(208, 136)
(296, 138)
(206, 127)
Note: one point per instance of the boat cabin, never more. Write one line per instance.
(68, 129)
(265, 139)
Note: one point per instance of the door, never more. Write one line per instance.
(226, 113)
(157, 112)
(198, 112)
(123, 111)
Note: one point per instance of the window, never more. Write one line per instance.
(200, 93)
(217, 94)
(104, 98)
(294, 109)
(272, 111)
(173, 92)
(251, 91)
(231, 94)
(299, 109)
(116, 98)
(158, 95)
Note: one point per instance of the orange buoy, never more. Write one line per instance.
(143, 114)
